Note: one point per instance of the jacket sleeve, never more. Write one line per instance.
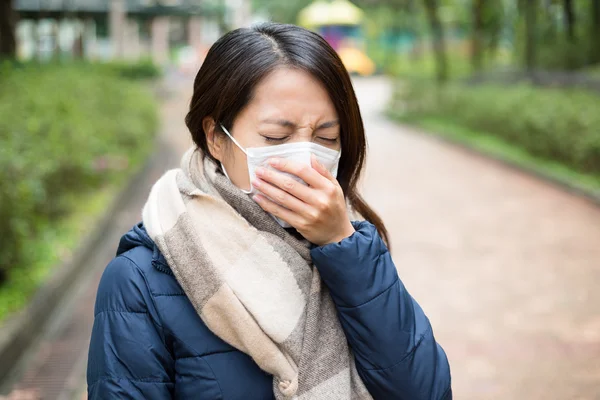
(127, 357)
(396, 353)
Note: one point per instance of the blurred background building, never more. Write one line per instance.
(113, 29)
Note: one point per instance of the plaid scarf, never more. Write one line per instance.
(252, 282)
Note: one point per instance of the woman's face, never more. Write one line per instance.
(288, 106)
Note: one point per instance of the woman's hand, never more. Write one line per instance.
(317, 211)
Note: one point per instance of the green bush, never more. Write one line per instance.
(593, 71)
(407, 66)
(561, 125)
(144, 69)
(64, 130)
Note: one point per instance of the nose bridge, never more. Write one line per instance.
(304, 132)
(302, 137)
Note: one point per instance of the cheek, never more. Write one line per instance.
(237, 167)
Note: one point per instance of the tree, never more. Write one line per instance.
(281, 11)
(477, 35)
(595, 33)
(438, 40)
(530, 10)
(495, 21)
(8, 41)
(386, 3)
(569, 19)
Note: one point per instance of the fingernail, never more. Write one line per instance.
(256, 182)
(257, 198)
(260, 171)
(273, 161)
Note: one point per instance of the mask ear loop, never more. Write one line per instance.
(242, 149)
(233, 139)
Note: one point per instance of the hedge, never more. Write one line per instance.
(65, 130)
(144, 69)
(554, 124)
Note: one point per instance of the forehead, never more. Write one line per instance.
(293, 94)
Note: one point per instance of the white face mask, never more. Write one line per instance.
(300, 152)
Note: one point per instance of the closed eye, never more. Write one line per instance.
(272, 139)
(330, 140)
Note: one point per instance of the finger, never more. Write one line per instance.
(301, 170)
(286, 183)
(277, 211)
(320, 168)
(281, 197)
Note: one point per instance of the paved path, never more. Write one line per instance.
(507, 267)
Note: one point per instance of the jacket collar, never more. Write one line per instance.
(138, 236)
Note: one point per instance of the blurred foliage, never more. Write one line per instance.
(554, 131)
(54, 241)
(423, 66)
(65, 131)
(142, 69)
(285, 12)
(551, 34)
(594, 71)
(558, 44)
(554, 124)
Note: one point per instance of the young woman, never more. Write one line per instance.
(247, 278)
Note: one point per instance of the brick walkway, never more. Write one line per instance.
(507, 267)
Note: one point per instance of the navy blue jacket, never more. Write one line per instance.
(149, 343)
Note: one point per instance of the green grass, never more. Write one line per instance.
(594, 71)
(492, 145)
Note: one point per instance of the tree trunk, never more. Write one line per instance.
(569, 19)
(477, 36)
(56, 51)
(8, 41)
(595, 56)
(530, 33)
(439, 44)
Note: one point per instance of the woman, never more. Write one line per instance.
(246, 278)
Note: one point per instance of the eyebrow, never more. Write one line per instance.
(289, 124)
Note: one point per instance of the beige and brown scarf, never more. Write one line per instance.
(252, 283)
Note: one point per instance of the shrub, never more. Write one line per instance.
(63, 130)
(144, 69)
(561, 125)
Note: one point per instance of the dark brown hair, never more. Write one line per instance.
(240, 59)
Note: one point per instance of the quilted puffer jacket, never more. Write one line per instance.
(149, 343)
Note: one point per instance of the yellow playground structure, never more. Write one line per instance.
(339, 22)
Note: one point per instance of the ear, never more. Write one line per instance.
(213, 139)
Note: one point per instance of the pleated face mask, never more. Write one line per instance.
(299, 152)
